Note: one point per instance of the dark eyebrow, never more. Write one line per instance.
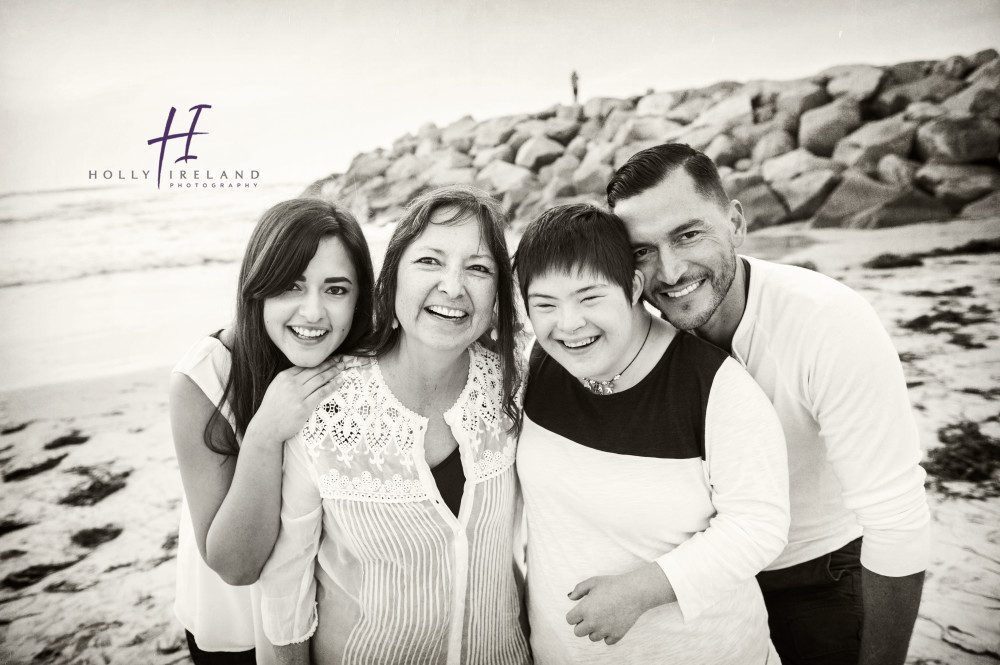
(578, 292)
(427, 248)
(687, 226)
(329, 280)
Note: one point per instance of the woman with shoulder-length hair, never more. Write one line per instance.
(400, 501)
(304, 293)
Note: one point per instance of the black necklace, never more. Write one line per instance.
(608, 387)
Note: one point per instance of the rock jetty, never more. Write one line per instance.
(855, 146)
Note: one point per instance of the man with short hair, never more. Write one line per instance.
(847, 587)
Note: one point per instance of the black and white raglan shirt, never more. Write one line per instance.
(687, 468)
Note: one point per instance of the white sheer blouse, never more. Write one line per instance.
(370, 562)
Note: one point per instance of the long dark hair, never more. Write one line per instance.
(278, 252)
(467, 203)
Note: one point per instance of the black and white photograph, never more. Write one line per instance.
(500, 333)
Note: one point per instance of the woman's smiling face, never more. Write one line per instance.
(309, 320)
(446, 286)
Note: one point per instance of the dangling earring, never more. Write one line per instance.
(493, 334)
(395, 322)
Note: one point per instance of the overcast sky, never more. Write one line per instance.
(298, 88)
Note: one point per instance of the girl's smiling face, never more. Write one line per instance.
(309, 320)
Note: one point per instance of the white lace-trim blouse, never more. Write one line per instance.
(369, 561)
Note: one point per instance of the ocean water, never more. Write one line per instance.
(61, 235)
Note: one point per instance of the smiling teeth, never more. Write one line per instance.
(445, 311)
(308, 332)
(582, 342)
(683, 292)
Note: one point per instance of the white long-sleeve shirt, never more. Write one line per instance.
(829, 368)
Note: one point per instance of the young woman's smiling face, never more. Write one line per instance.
(584, 321)
(446, 285)
(309, 320)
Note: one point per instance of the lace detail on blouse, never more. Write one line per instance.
(362, 438)
(333, 485)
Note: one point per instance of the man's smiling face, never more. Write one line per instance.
(685, 246)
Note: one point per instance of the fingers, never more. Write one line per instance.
(581, 589)
(315, 382)
(581, 629)
(574, 616)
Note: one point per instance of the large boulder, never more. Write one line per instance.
(934, 88)
(564, 167)
(857, 82)
(980, 58)
(982, 98)
(658, 103)
(897, 171)
(600, 152)
(793, 164)
(368, 165)
(537, 152)
(957, 140)
(617, 119)
(407, 166)
(762, 207)
(800, 98)
(855, 194)
(577, 147)
(772, 144)
(956, 185)
(820, 129)
(804, 194)
(985, 208)
(502, 153)
(989, 70)
(460, 134)
(689, 109)
(495, 131)
(500, 177)
(646, 129)
(863, 148)
(561, 130)
(737, 182)
(908, 206)
(734, 110)
(723, 151)
(601, 107)
(924, 111)
(860, 202)
(592, 176)
(955, 67)
(907, 72)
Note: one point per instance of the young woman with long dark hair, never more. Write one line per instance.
(304, 293)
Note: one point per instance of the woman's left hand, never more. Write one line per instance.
(610, 605)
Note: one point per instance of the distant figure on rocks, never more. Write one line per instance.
(847, 587)
(574, 80)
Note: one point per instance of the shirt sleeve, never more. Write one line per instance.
(287, 583)
(858, 396)
(747, 471)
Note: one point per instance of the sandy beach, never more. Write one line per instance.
(91, 491)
